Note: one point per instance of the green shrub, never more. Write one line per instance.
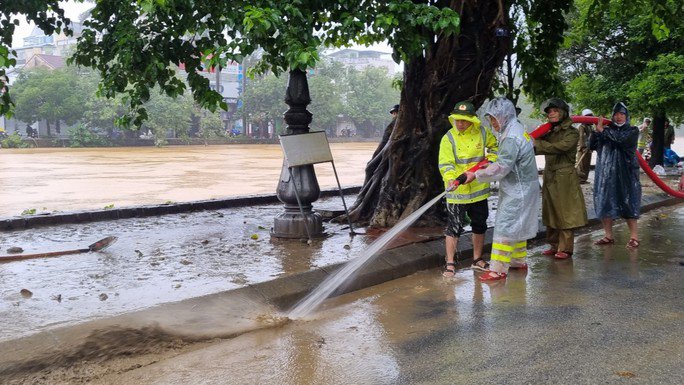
(82, 136)
(13, 141)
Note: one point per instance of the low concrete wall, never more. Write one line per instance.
(30, 221)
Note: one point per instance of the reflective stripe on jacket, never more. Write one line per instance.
(459, 151)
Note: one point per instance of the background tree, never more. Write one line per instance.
(168, 117)
(369, 95)
(326, 89)
(364, 96)
(51, 95)
(210, 124)
(628, 51)
(262, 100)
(84, 136)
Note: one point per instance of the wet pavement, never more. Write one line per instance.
(609, 315)
(155, 260)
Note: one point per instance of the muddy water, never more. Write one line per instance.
(64, 179)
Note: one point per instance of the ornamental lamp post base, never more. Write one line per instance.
(294, 226)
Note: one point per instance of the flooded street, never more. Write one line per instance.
(155, 260)
(608, 315)
(67, 179)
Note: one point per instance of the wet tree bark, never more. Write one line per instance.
(370, 191)
(403, 175)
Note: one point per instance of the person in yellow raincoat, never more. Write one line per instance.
(463, 146)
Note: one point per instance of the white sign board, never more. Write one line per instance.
(303, 149)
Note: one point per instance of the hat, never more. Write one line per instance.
(394, 109)
(556, 103)
(587, 112)
(620, 107)
(465, 108)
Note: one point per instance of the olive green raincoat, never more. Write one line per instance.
(562, 199)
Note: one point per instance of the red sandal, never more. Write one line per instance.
(633, 243)
(562, 255)
(518, 267)
(605, 241)
(549, 252)
(492, 276)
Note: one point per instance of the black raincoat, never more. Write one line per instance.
(617, 189)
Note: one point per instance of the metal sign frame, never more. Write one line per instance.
(305, 149)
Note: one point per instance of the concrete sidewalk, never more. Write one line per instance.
(191, 261)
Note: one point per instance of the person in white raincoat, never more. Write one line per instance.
(517, 217)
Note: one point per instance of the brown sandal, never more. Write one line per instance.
(633, 243)
(605, 241)
(449, 270)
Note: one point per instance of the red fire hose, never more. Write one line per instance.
(544, 128)
(462, 178)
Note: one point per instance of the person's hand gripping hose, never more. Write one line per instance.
(461, 179)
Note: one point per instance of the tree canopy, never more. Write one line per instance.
(631, 51)
(133, 44)
(66, 95)
(54, 96)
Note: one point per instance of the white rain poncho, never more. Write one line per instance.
(517, 217)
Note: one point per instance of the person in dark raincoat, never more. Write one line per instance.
(563, 207)
(617, 189)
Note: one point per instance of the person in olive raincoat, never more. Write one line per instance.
(617, 189)
(563, 207)
(517, 216)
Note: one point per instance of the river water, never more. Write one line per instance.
(66, 179)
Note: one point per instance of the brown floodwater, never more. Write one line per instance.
(65, 179)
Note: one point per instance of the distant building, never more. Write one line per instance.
(359, 59)
(37, 43)
(51, 62)
(230, 85)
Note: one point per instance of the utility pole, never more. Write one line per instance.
(218, 88)
(244, 84)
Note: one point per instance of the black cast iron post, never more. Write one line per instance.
(291, 223)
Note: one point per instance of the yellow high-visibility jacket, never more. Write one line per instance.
(459, 151)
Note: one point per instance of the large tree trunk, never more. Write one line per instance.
(405, 174)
